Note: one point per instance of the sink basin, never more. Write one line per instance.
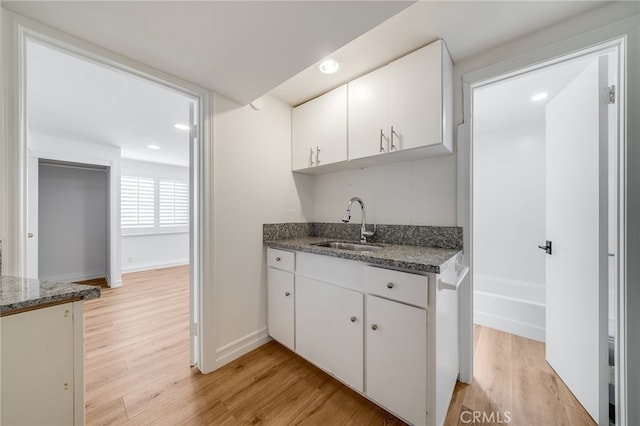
(346, 246)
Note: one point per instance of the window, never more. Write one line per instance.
(174, 203)
(152, 205)
(137, 205)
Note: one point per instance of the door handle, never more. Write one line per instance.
(547, 247)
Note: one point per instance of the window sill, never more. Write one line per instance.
(154, 232)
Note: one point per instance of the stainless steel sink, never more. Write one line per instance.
(346, 246)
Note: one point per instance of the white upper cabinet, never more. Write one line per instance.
(402, 106)
(416, 98)
(399, 112)
(369, 114)
(319, 136)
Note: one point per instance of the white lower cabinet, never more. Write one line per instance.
(43, 366)
(391, 335)
(396, 357)
(280, 308)
(329, 329)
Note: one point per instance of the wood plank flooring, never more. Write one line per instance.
(137, 369)
(137, 373)
(511, 375)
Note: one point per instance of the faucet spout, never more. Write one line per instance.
(363, 229)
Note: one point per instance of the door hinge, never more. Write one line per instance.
(612, 94)
(612, 375)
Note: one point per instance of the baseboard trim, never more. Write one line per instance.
(76, 277)
(111, 283)
(510, 326)
(152, 266)
(237, 348)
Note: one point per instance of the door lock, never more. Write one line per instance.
(547, 247)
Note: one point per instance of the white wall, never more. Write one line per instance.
(509, 224)
(43, 146)
(154, 251)
(420, 192)
(72, 223)
(253, 185)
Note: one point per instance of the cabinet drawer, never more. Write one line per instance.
(396, 285)
(281, 259)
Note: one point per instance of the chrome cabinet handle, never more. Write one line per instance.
(311, 156)
(353, 319)
(381, 137)
(393, 147)
(286, 293)
(29, 235)
(317, 155)
(390, 285)
(374, 327)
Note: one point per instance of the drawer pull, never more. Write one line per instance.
(389, 285)
(353, 319)
(278, 259)
(286, 293)
(374, 326)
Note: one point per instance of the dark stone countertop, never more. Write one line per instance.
(22, 294)
(417, 258)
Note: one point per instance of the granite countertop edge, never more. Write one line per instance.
(415, 258)
(20, 294)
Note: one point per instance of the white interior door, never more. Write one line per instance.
(576, 224)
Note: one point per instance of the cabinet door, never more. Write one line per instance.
(38, 367)
(329, 329)
(280, 297)
(415, 98)
(396, 358)
(320, 124)
(368, 114)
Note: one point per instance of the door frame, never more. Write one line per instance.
(541, 58)
(16, 30)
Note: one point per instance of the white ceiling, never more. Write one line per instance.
(71, 98)
(508, 104)
(467, 27)
(240, 49)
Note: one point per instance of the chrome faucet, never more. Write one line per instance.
(363, 230)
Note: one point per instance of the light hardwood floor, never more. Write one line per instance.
(137, 372)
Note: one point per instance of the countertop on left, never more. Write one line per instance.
(22, 294)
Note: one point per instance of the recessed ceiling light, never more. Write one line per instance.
(329, 66)
(181, 126)
(539, 96)
(153, 147)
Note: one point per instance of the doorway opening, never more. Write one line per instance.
(86, 113)
(545, 217)
(71, 205)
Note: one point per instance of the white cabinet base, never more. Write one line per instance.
(396, 355)
(390, 335)
(42, 371)
(329, 329)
